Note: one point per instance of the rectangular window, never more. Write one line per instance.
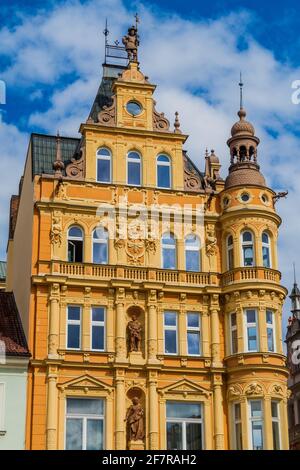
(233, 334)
(170, 332)
(98, 328)
(2, 406)
(193, 334)
(184, 426)
(270, 330)
(256, 425)
(251, 330)
(103, 169)
(73, 327)
(85, 424)
(275, 424)
(237, 421)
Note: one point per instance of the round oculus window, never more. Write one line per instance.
(265, 199)
(245, 197)
(134, 108)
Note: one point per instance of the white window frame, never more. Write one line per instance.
(235, 422)
(78, 239)
(172, 328)
(231, 330)
(252, 419)
(245, 244)
(74, 322)
(100, 241)
(134, 160)
(228, 249)
(268, 246)
(193, 329)
(168, 164)
(104, 157)
(276, 420)
(2, 406)
(271, 326)
(169, 247)
(85, 418)
(196, 247)
(98, 323)
(246, 325)
(185, 421)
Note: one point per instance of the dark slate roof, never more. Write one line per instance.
(11, 329)
(43, 151)
(2, 270)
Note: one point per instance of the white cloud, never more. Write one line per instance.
(196, 65)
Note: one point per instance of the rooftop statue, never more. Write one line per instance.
(131, 43)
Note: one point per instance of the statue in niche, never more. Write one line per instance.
(135, 420)
(135, 334)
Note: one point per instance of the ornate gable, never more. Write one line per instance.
(185, 388)
(86, 383)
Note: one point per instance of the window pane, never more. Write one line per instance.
(73, 336)
(274, 408)
(192, 259)
(247, 237)
(270, 339)
(234, 347)
(75, 250)
(98, 314)
(193, 320)
(170, 318)
(193, 343)
(255, 409)
(237, 411)
(248, 256)
(103, 170)
(252, 343)
(266, 256)
(257, 435)
(75, 232)
(177, 409)
(170, 342)
(251, 316)
(73, 313)
(238, 436)
(163, 176)
(174, 436)
(169, 258)
(98, 337)
(94, 434)
(276, 439)
(269, 317)
(134, 173)
(74, 434)
(193, 436)
(230, 259)
(230, 240)
(265, 238)
(100, 253)
(233, 319)
(85, 406)
(104, 152)
(163, 158)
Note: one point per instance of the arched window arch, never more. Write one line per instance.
(134, 165)
(168, 243)
(266, 250)
(163, 171)
(230, 253)
(100, 246)
(103, 165)
(247, 248)
(192, 253)
(75, 244)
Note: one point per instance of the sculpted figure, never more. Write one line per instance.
(131, 43)
(135, 334)
(135, 420)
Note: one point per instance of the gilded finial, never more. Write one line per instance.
(58, 164)
(177, 124)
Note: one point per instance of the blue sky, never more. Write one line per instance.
(50, 59)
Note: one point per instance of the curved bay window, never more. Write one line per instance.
(163, 172)
(100, 246)
(192, 253)
(266, 252)
(230, 255)
(134, 169)
(247, 249)
(104, 165)
(75, 245)
(168, 251)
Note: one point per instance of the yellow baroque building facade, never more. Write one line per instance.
(142, 338)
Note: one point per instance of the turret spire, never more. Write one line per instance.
(58, 164)
(241, 84)
(295, 297)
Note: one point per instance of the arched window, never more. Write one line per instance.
(192, 253)
(247, 249)
(134, 169)
(266, 250)
(75, 245)
(100, 246)
(230, 255)
(163, 171)
(104, 165)
(168, 251)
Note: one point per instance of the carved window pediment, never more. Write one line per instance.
(185, 388)
(85, 382)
